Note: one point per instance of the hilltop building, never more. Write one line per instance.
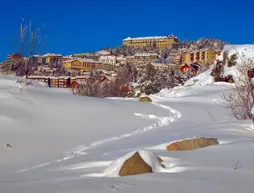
(156, 41)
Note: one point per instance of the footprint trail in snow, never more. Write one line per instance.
(81, 150)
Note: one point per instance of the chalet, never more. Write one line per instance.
(190, 67)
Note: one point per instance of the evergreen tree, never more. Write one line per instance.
(232, 60)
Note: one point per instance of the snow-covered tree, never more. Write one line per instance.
(232, 60)
(152, 81)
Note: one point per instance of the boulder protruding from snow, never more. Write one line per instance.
(192, 144)
(140, 162)
(145, 99)
(135, 165)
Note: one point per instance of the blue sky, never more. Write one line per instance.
(77, 26)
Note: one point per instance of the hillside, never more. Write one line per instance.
(64, 143)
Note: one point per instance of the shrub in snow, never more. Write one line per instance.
(240, 99)
(117, 87)
(134, 163)
(191, 144)
(219, 74)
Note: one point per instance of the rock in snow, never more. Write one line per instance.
(145, 99)
(191, 144)
(140, 162)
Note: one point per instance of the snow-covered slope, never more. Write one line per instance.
(204, 78)
(246, 50)
(64, 143)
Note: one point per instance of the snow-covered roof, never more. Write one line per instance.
(88, 60)
(146, 54)
(149, 38)
(107, 58)
(68, 56)
(121, 58)
(37, 77)
(51, 54)
(159, 64)
(80, 77)
(45, 68)
(129, 56)
(105, 71)
(71, 60)
(103, 52)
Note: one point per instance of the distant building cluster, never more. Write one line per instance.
(78, 65)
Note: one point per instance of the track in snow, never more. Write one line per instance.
(81, 150)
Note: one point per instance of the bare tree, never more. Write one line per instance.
(240, 99)
(28, 43)
(95, 86)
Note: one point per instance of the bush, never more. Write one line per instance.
(240, 99)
